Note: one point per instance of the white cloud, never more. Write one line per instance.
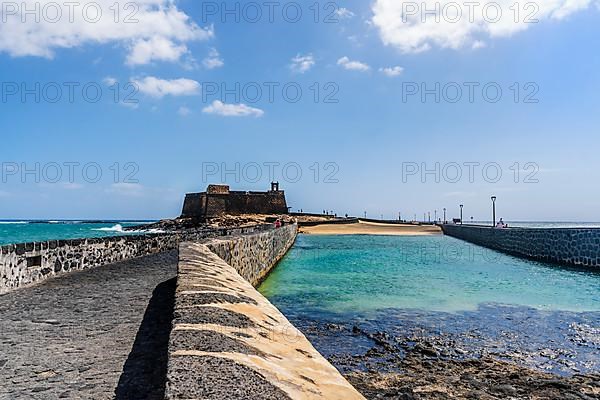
(409, 28)
(159, 88)
(232, 110)
(392, 71)
(156, 48)
(213, 60)
(156, 30)
(478, 44)
(109, 81)
(184, 111)
(344, 13)
(348, 64)
(301, 63)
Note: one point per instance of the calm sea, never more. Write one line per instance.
(34, 231)
(544, 316)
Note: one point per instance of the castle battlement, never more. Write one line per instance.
(218, 200)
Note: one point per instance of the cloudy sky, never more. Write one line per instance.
(115, 110)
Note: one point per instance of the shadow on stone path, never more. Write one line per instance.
(145, 371)
(95, 334)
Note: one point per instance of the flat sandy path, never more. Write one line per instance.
(95, 334)
(371, 228)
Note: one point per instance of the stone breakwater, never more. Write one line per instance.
(253, 256)
(228, 341)
(578, 247)
(28, 263)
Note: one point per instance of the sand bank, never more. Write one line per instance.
(371, 228)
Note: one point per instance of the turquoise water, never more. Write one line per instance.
(362, 274)
(34, 231)
(350, 294)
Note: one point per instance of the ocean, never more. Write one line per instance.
(443, 291)
(23, 231)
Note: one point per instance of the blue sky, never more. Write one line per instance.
(365, 145)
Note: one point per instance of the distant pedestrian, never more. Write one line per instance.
(278, 224)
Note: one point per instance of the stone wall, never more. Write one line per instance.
(228, 341)
(199, 205)
(253, 256)
(572, 246)
(29, 263)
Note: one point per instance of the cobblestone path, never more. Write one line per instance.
(95, 334)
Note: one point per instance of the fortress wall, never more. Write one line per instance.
(573, 246)
(193, 205)
(230, 342)
(29, 263)
(210, 204)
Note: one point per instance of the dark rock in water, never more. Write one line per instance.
(411, 354)
(507, 390)
(425, 350)
(473, 379)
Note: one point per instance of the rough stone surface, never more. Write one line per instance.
(234, 344)
(216, 378)
(253, 256)
(573, 246)
(95, 334)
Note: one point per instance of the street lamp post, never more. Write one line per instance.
(365, 215)
(429, 216)
(444, 214)
(461, 209)
(493, 210)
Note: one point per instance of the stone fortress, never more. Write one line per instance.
(219, 200)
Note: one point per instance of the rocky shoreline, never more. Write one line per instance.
(424, 372)
(404, 363)
(426, 378)
(222, 221)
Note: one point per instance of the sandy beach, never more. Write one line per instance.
(371, 228)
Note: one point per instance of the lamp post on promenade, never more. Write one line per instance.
(461, 209)
(444, 214)
(429, 216)
(493, 210)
